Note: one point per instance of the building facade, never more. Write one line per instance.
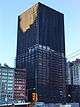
(69, 73)
(73, 72)
(41, 50)
(76, 72)
(6, 83)
(73, 93)
(20, 85)
(73, 81)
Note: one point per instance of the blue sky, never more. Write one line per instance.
(10, 9)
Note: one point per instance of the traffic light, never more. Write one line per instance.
(34, 97)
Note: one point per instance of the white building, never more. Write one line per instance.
(6, 83)
(76, 72)
(73, 72)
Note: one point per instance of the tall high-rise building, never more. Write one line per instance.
(41, 50)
